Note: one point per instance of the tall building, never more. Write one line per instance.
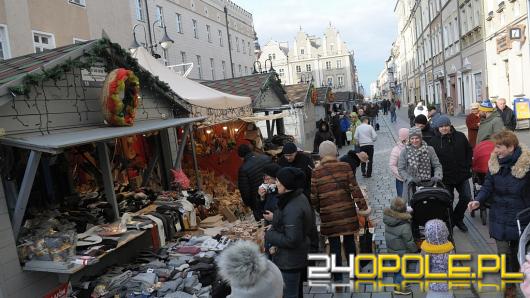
(325, 60)
(507, 56)
(197, 27)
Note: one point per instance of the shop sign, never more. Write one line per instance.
(522, 108)
(503, 43)
(93, 77)
(59, 292)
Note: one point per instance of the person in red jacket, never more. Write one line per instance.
(473, 123)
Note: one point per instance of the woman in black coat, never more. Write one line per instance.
(508, 185)
(323, 134)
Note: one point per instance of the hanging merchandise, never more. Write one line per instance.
(180, 179)
(119, 97)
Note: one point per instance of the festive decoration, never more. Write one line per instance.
(314, 96)
(119, 97)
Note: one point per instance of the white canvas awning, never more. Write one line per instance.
(203, 99)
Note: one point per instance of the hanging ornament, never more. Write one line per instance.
(120, 97)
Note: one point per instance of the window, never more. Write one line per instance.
(340, 80)
(179, 22)
(237, 43)
(464, 21)
(223, 68)
(478, 86)
(246, 70)
(160, 15)
(240, 72)
(328, 65)
(298, 68)
(270, 56)
(339, 63)
(308, 67)
(4, 47)
(78, 2)
(199, 68)
(331, 47)
(249, 49)
(212, 68)
(330, 81)
(220, 37)
(243, 46)
(195, 32)
(471, 17)
(42, 41)
(208, 33)
(183, 56)
(302, 51)
(273, 56)
(281, 71)
(139, 10)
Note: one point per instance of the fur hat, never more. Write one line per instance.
(249, 272)
(415, 132)
(421, 119)
(486, 106)
(327, 148)
(398, 204)
(403, 134)
(289, 148)
(291, 178)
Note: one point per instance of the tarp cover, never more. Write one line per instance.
(217, 106)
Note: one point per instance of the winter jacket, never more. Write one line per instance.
(332, 189)
(411, 112)
(438, 247)
(508, 182)
(404, 165)
(352, 159)
(290, 233)
(365, 135)
(508, 118)
(323, 134)
(489, 126)
(455, 155)
(392, 107)
(472, 123)
(427, 133)
(344, 124)
(481, 156)
(250, 177)
(353, 127)
(421, 110)
(303, 162)
(398, 232)
(393, 160)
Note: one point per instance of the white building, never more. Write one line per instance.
(325, 60)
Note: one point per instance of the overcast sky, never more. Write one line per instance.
(368, 27)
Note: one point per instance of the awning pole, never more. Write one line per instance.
(108, 181)
(25, 190)
(181, 146)
(195, 164)
(152, 164)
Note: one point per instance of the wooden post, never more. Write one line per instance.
(108, 181)
(195, 164)
(25, 190)
(178, 161)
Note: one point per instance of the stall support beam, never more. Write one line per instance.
(182, 145)
(166, 156)
(25, 190)
(151, 166)
(195, 164)
(108, 181)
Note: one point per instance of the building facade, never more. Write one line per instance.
(507, 56)
(325, 60)
(198, 27)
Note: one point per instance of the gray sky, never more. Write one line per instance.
(368, 27)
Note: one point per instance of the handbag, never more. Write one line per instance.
(366, 239)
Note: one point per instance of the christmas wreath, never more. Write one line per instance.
(120, 97)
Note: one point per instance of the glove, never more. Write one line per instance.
(436, 180)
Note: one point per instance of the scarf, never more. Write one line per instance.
(419, 162)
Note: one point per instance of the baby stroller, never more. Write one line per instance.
(430, 201)
(481, 156)
(524, 235)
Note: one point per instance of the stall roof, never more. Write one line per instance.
(191, 91)
(343, 96)
(56, 142)
(297, 92)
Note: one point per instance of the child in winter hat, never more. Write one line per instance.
(438, 246)
(249, 273)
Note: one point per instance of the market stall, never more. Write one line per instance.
(85, 143)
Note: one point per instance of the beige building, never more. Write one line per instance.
(507, 56)
(325, 60)
(198, 28)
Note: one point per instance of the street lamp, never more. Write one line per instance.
(135, 43)
(164, 43)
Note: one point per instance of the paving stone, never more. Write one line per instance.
(318, 290)
(382, 295)
(329, 295)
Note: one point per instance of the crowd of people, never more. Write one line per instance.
(295, 193)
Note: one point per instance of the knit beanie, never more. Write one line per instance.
(291, 178)
(420, 119)
(249, 273)
(442, 120)
(271, 170)
(486, 106)
(398, 204)
(436, 232)
(289, 148)
(403, 134)
(327, 148)
(415, 132)
(243, 150)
